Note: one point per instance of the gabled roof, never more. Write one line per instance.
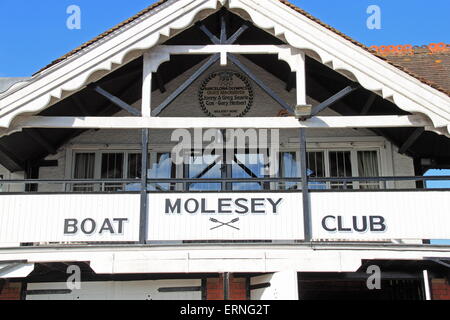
(114, 59)
(427, 76)
(161, 21)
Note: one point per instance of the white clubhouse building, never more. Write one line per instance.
(231, 149)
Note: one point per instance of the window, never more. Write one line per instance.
(84, 169)
(289, 168)
(120, 165)
(316, 169)
(112, 168)
(340, 166)
(244, 165)
(161, 168)
(248, 166)
(204, 167)
(333, 164)
(368, 167)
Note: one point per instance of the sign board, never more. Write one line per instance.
(345, 216)
(226, 93)
(69, 218)
(375, 216)
(225, 216)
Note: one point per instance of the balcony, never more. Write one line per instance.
(223, 210)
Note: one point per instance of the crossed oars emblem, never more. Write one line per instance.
(222, 224)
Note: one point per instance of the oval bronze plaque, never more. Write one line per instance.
(226, 94)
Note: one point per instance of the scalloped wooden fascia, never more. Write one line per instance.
(101, 58)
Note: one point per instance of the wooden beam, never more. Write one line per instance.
(223, 26)
(80, 105)
(209, 34)
(370, 101)
(39, 139)
(217, 48)
(10, 160)
(261, 84)
(338, 122)
(115, 100)
(343, 106)
(185, 85)
(333, 99)
(411, 140)
(237, 34)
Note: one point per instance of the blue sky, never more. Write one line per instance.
(33, 32)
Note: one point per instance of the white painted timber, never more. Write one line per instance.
(264, 258)
(118, 290)
(276, 286)
(203, 122)
(160, 54)
(299, 31)
(225, 216)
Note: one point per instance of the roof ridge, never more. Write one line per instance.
(408, 49)
(371, 50)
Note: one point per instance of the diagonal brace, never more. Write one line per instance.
(237, 34)
(411, 140)
(115, 100)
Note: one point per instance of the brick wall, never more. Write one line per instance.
(440, 289)
(10, 291)
(238, 288)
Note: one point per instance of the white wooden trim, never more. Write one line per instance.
(156, 56)
(301, 80)
(249, 258)
(224, 123)
(343, 56)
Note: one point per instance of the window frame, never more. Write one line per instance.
(325, 147)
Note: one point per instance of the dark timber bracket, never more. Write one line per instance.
(13, 163)
(370, 101)
(115, 100)
(333, 99)
(80, 105)
(185, 85)
(261, 84)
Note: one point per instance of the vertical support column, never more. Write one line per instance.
(305, 191)
(144, 198)
(147, 84)
(226, 286)
(426, 285)
(301, 80)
